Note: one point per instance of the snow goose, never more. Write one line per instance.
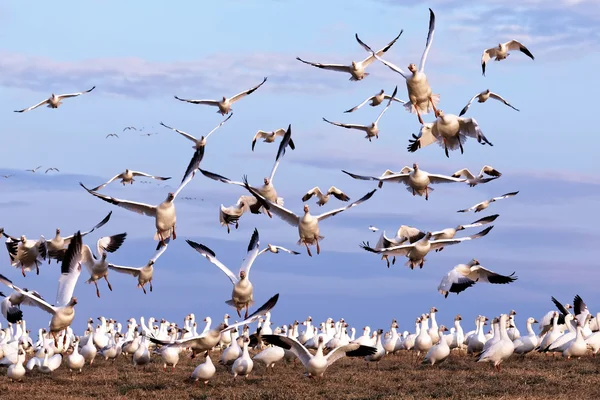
(308, 225)
(416, 252)
(142, 354)
(485, 204)
(420, 94)
(225, 336)
(433, 332)
(324, 198)
(449, 233)
(482, 98)
(57, 245)
(500, 52)
(225, 103)
(561, 342)
(440, 351)
(127, 177)
(376, 100)
(270, 356)
(593, 341)
(373, 228)
(16, 371)
(54, 101)
(581, 312)
(417, 181)
(476, 342)
(269, 137)
(202, 141)
(75, 360)
(409, 340)
(26, 253)
(275, 249)
(204, 371)
(244, 364)
(164, 213)
(143, 274)
(98, 268)
(423, 341)
(232, 352)
(371, 130)
(546, 322)
(449, 131)
(576, 347)
(11, 305)
(357, 68)
(513, 333)
(473, 180)
(378, 355)
(526, 344)
(316, 364)
(242, 293)
(502, 349)
(457, 335)
(405, 233)
(389, 342)
(47, 364)
(551, 335)
(308, 333)
(464, 276)
(63, 311)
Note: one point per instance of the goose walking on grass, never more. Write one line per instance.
(204, 371)
(54, 101)
(242, 294)
(421, 97)
(357, 68)
(16, 371)
(225, 103)
(26, 254)
(482, 98)
(324, 198)
(202, 141)
(269, 137)
(501, 52)
(485, 204)
(98, 268)
(376, 100)
(464, 276)
(371, 130)
(143, 274)
(127, 177)
(63, 311)
(163, 213)
(474, 180)
(449, 233)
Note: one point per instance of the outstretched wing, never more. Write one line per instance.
(339, 210)
(140, 208)
(465, 108)
(262, 310)
(332, 67)
(285, 142)
(360, 105)
(66, 96)
(190, 172)
(252, 253)
(429, 41)
(211, 256)
(182, 133)
(35, 299)
(246, 92)
(70, 271)
(289, 344)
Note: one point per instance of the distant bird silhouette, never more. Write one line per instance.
(52, 169)
(33, 170)
(54, 101)
(129, 127)
(112, 134)
(149, 134)
(7, 176)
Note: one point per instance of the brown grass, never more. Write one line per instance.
(396, 377)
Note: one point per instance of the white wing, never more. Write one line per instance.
(37, 301)
(339, 210)
(210, 256)
(482, 221)
(125, 270)
(388, 105)
(276, 209)
(481, 274)
(246, 92)
(500, 98)
(360, 105)
(289, 344)
(436, 244)
(110, 243)
(285, 142)
(463, 172)
(387, 63)
(504, 196)
(33, 107)
(348, 126)
(140, 208)
(205, 102)
(436, 178)
(369, 60)
(185, 134)
(218, 126)
(454, 282)
(389, 251)
(470, 127)
(278, 248)
(465, 108)
(429, 40)
(65, 96)
(252, 253)
(160, 178)
(70, 271)
(515, 45)
(332, 67)
(190, 172)
(425, 138)
(312, 192)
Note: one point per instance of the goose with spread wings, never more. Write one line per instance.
(127, 177)
(269, 137)
(449, 131)
(404, 234)
(62, 312)
(11, 305)
(485, 204)
(474, 180)
(421, 97)
(449, 233)
(98, 268)
(376, 100)
(202, 141)
(243, 291)
(371, 130)
(357, 68)
(163, 213)
(143, 274)
(275, 249)
(482, 98)
(324, 198)
(225, 103)
(54, 101)
(416, 180)
(26, 253)
(416, 252)
(464, 276)
(501, 51)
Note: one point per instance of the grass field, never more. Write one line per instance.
(396, 377)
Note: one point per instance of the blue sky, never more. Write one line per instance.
(140, 57)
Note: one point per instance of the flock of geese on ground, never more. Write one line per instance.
(560, 332)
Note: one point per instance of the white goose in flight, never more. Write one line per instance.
(202, 141)
(225, 103)
(449, 233)
(417, 181)
(474, 180)
(63, 311)
(163, 213)
(11, 305)
(376, 100)
(275, 249)
(143, 274)
(485, 204)
(127, 177)
(357, 68)
(242, 294)
(421, 98)
(482, 98)
(324, 198)
(371, 130)
(26, 254)
(500, 52)
(464, 276)
(449, 131)
(98, 268)
(416, 252)
(405, 233)
(54, 101)
(269, 137)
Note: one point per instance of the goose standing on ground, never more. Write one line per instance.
(526, 344)
(242, 294)
(98, 268)
(16, 371)
(63, 311)
(204, 371)
(421, 98)
(202, 141)
(357, 68)
(75, 360)
(500, 350)
(485, 204)
(423, 341)
(376, 100)
(416, 252)
(26, 254)
(164, 213)
(482, 98)
(270, 356)
(513, 333)
(54, 101)
(449, 233)
(449, 131)
(440, 351)
(127, 177)
(46, 364)
(269, 137)
(465, 275)
(417, 181)
(501, 52)
(244, 364)
(143, 274)
(473, 180)
(225, 103)
(324, 198)
(477, 340)
(371, 130)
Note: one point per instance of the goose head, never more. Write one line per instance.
(242, 274)
(412, 68)
(443, 328)
(224, 99)
(487, 91)
(354, 65)
(72, 302)
(57, 231)
(381, 92)
(474, 262)
(306, 209)
(170, 196)
(458, 318)
(512, 312)
(433, 310)
(23, 239)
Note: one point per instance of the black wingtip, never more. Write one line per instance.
(200, 247)
(254, 242)
(73, 251)
(194, 163)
